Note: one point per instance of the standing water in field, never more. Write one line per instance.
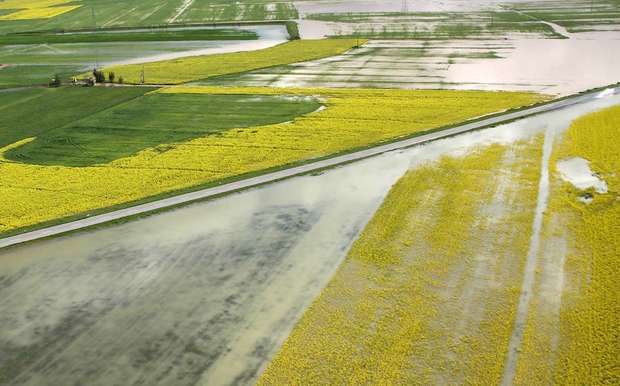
(85, 55)
(268, 36)
(203, 294)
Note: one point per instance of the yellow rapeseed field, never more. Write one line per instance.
(31, 194)
(30, 4)
(35, 9)
(573, 328)
(428, 292)
(39, 13)
(182, 70)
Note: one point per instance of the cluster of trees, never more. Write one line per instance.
(100, 77)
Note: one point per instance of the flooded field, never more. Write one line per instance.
(36, 63)
(552, 66)
(204, 294)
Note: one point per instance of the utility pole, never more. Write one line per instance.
(142, 75)
(405, 7)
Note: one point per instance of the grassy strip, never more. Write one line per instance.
(200, 67)
(426, 292)
(155, 27)
(101, 37)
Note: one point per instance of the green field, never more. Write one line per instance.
(33, 112)
(138, 36)
(150, 121)
(201, 67)
(26, 75)
(130, 13)
(33, 64)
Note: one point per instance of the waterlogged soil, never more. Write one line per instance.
(538, 65)
(204, 294)
(108, 54)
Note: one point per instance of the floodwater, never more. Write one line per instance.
(577, 171)
(521, 62)
(552, 66)
(268, 36)
(343, 6)
(311, 29)
(204, 294)
(108, 54)
(555, 66)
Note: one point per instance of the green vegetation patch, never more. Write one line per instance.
(153, 120)
(21, 75)
(32, 112)
(201, 67)
(139, 36)
(146, 13)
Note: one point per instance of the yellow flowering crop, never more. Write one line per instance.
(35, 9)
(182, 70)
(573, 329)
(30, 4)
(30, 194)
(428, 292)
(39, 13)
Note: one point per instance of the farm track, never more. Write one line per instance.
(294, 171)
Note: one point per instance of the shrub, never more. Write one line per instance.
(55, 82)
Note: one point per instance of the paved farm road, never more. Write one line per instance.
(294, 171)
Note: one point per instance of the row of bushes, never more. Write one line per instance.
(99, 77)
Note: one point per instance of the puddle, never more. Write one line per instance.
(577, 171)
